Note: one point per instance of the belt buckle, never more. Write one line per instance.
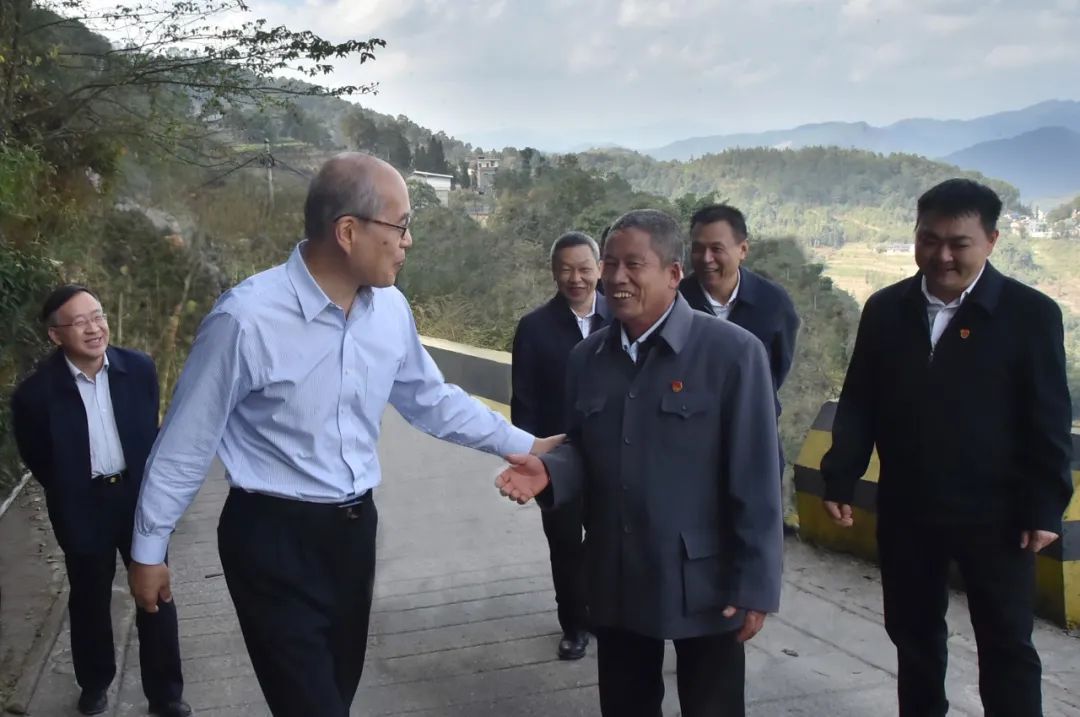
(352, 509)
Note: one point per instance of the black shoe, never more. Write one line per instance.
(93, 702)
(572, 645)
(171, 709)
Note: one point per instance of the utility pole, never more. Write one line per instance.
(267, 160)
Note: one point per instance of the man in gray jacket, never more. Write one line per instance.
(672, 441)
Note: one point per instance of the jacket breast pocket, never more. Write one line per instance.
(685, 405)
(704, 585)
(588, 406)
(587, 411)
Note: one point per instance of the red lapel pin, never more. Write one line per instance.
(676, 386)
(964, 333)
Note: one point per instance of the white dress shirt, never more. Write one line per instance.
(631, 348)
(939, 313)
(584, 323)
(290, 394)
(723, 311)
(106, 452)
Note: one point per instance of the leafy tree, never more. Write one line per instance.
(361, 131)
(394, 148)
(81, 99)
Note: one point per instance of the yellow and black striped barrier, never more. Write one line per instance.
(1057, 567)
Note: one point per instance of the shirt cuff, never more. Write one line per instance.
(149, 549)
(517, 441)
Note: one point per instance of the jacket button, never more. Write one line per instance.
(632, 394)
(625, 486)
(626, 528)
(626, 440)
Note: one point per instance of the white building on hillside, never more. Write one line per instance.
(441, 183)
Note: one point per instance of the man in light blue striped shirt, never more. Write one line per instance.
(287, 382)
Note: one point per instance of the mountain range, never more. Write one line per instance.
(1036, 148)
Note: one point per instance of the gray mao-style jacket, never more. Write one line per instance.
(677, 463)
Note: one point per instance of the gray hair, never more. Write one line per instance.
(570, 239)
(344, 185)
(665, 236)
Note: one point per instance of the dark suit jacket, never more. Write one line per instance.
(764, 309)
(677, 461)
(542, 344)
(54, 442)
(976, 430)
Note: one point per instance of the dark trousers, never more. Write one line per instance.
(301, 578)
(999, 579)
(90, 575)
(562, 527)
(710, 674)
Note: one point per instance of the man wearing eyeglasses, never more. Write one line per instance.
(84, 424)
(287, 382)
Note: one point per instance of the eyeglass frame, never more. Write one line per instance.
(400, 227)
(101, 319)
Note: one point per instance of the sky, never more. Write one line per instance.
(560, 74)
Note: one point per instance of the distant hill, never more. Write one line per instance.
(1041, 163)
(927, 137)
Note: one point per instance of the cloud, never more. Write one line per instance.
(1014, 57)
(572, 69)
(947, 25)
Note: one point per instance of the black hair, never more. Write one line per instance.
(960, 198)
(720, 213)
(60, 296)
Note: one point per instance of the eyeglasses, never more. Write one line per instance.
(400, 227)
(82, 322)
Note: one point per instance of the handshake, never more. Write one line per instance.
(526, 476)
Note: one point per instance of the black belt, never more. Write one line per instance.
(112, 478)
(351, 509)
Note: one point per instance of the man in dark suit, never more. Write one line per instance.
(958, 378)
(672, 440)
(721, 286)
(84, 424)
(542, 343)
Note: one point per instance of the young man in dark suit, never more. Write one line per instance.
(723, 287)
(958, 378)
(542, 344)
(84, 424)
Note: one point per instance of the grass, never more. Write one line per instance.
(860, 270)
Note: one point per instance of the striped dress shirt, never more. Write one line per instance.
(106, 451)
(290, 394)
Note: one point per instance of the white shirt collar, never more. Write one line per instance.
(731, 299)
(592, 311)
(76, 371)
(632, 347)
(955, 302)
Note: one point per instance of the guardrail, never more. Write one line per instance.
(486, 374)
(1057, 568)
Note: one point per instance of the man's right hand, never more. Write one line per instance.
(523, 479)
(840, 513)
(149, 584)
